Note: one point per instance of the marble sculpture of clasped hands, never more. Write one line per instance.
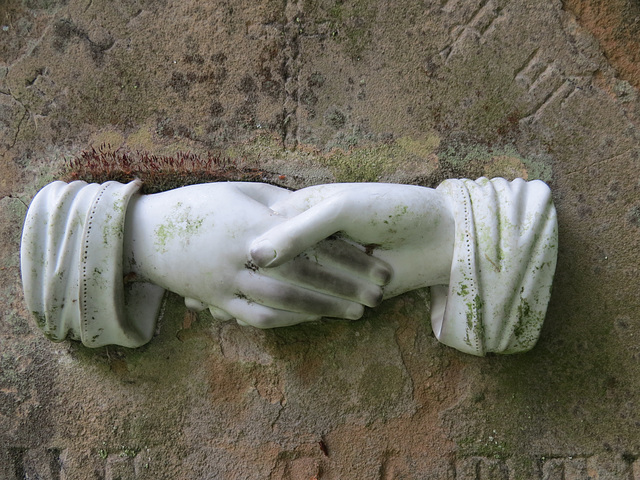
(97, 259)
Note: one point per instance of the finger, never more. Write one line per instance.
(342, 254)
(290, 238)
(193, 304)
(308, 271)
(259, 316)
(219, 314)
(277, 294)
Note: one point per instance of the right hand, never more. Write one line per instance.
(410, 227)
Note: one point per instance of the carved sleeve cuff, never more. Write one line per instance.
(71, 262)
(504, 258)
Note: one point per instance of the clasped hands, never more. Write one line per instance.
(269, 257)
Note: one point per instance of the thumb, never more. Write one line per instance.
(294, 236)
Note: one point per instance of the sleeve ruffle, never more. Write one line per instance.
(506, 243)
(71, 262)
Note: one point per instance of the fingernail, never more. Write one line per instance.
(219, 314)
(263, 253)
(354, 312)
(381, 275)
(374, 298)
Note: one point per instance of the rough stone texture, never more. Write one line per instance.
(317, 91)
(616, 24)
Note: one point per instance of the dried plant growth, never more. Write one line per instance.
(157, 172)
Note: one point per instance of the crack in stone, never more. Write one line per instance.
(15, 198)
(404, 361)
(31, 48)
(278, 415)
(600, 162)
(20, 122)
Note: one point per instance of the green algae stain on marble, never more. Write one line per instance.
(475, 321)
(179, 225)
(527, 328)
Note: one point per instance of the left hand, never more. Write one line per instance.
(410, 227)
(195, 240)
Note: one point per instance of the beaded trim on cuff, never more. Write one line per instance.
(504, 258)
(71, 262)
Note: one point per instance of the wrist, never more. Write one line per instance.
(139, 258)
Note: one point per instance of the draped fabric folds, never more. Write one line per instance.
(505, 252)
(71, 262)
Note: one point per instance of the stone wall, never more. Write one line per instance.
(314, 91)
